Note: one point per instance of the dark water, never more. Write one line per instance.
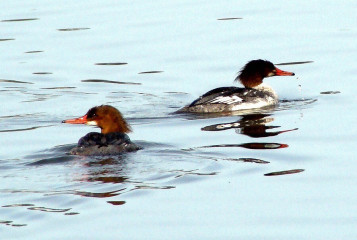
(275, 173)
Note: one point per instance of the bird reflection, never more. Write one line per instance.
(293, 171)
(261, 145)
(113, 170)
(253, 125)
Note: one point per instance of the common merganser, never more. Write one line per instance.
(111, 141)
(255, 94)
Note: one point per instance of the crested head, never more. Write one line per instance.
(253, 73)
(108, 118)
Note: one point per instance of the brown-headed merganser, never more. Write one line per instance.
(255, 94)
(111, 141)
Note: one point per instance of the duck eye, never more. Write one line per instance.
(91, 114)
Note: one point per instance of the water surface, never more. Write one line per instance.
(274, 173)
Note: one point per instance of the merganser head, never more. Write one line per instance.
(108, 118)
(253, 73)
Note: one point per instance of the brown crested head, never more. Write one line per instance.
(108, 118)
(253, 73)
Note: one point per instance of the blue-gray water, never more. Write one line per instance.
(198, 177)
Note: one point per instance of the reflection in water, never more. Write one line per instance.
(109, 81)
(19, 20)
(14, 81)
(252, 125)
(122, 173)
(41, 97)
(71, 213)
(32, 207)
(111, 64)
(247, 145)
(229, 18)
(34, 52)
(230, 179)
(284, 172)
(148, 72)
(105, 170)
(192, 172)
(107, 179)
(71, 29)
(286, 104)
(251, 160)
(56, 155)
(246, 121)
(263, 145)
(112, 170)
(55, 88)
(10, 223)
(97, 195)
(42, 73)
(45, 209)
(24, 129)
(116, 203)
(19, 205)
(330, 92)
(153, 187)
(260, 131)
(52, 160)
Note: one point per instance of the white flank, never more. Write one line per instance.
(250, 105)
(227, 100)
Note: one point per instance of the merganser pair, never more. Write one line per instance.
(113, 138)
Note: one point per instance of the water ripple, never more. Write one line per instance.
(14, 81)
(20, 20)
(229, 18)
(71, 29)
(150, 72)
(109, 81)
(284, 172)
(111, 64)
(6, 39)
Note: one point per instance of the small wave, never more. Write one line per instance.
(286, 104)
(19, 20)
(109, 81)
(71, 29)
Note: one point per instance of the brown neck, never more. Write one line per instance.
(114, 124)
(252, 81)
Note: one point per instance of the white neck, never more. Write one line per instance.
(266, 88)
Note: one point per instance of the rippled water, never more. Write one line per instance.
(273, 173)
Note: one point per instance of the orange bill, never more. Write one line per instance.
(80, 120)
(283, 73)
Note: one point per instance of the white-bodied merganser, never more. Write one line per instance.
(255, 94)
(111, 141)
